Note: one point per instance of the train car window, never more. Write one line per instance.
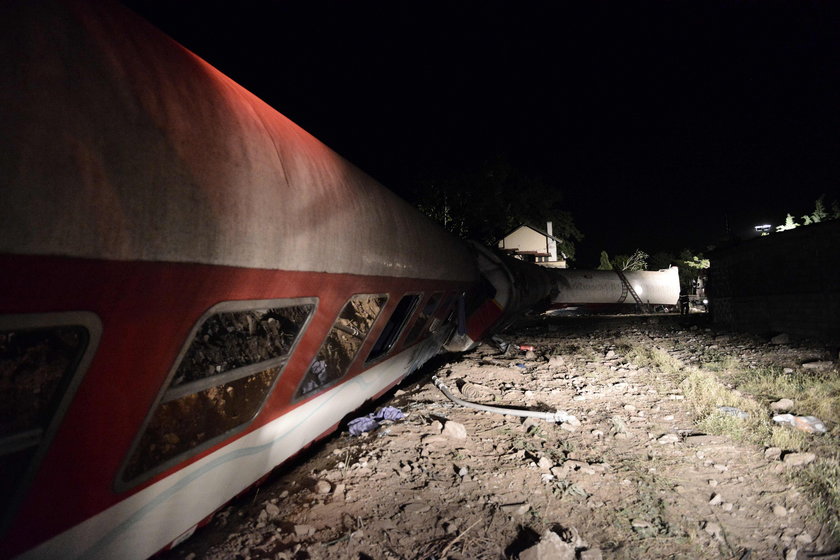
(343, 342)
(396, 323)
(446, 309)
(42, 361)
(219, 382)
(422, 324)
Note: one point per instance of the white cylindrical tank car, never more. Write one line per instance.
(605, 287)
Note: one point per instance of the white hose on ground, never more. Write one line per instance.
(559, 416)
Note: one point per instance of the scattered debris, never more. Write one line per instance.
(643, 480)
(454, 430)
(669, 438)
(782, 405)
(773, 453)
(810, 424)
(516, 509)
(550, 547)
(818, 365)
(733, 411)
(474, 391)
(783, 338)
(799, 459)
(500, 343)
(372, 421)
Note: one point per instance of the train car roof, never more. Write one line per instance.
(119, 143)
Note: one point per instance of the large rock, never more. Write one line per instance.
(783, 338)
(454, 430)
(550, 547)
(782, 405)
(799, 459)
(818, 365)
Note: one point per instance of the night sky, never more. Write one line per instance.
(663, 123)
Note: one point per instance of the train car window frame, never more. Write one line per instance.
(336, 376)
(392, 332)
(421, 327)
(446, 311)
(447, 307)
(68, 384)
(171, 392)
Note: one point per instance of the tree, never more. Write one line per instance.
(691, 267)
(489, 200)
(818, 215)
(790, 223)
(636, 261)
(661, 260)
(605, 262)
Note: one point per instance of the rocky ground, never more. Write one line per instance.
(632, 477)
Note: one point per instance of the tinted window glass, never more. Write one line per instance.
(343, 342)
(422, 324)
(33, 364)
(186, 422)
(220, 382)
(227, 341)
(394, 327)
(42, 359)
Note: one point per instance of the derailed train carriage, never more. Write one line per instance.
(611, 290)
(193, 289)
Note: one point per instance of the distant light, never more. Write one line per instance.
(705, 302)
(764, 228)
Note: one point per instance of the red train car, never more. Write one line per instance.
(193, 288)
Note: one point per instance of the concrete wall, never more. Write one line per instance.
(785, 282)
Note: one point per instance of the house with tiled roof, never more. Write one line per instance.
(534, 245)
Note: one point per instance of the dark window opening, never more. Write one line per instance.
(447, 308)
(228, 341)
(343, 342)
(394, 327)
(186, 422)
(33, 365)
(422, 325)
(220, 382)
(42, 360)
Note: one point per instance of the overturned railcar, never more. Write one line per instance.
(193, 290)
(606, 288)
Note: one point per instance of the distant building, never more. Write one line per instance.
(533, 245)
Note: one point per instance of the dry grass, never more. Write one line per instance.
(651, 356)
(706, 394)
(725, 382)
(821, 481)
(814, 394)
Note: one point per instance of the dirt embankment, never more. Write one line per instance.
(637, 478)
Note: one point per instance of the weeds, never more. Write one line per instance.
(723, 380)
(816, 394)
(813, 394)
(821, 482)
(721, 363)
(652, 357)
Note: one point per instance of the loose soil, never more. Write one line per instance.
(635, 479)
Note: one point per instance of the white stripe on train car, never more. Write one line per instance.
(144, 523)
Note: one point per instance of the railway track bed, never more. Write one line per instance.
(638, 478)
